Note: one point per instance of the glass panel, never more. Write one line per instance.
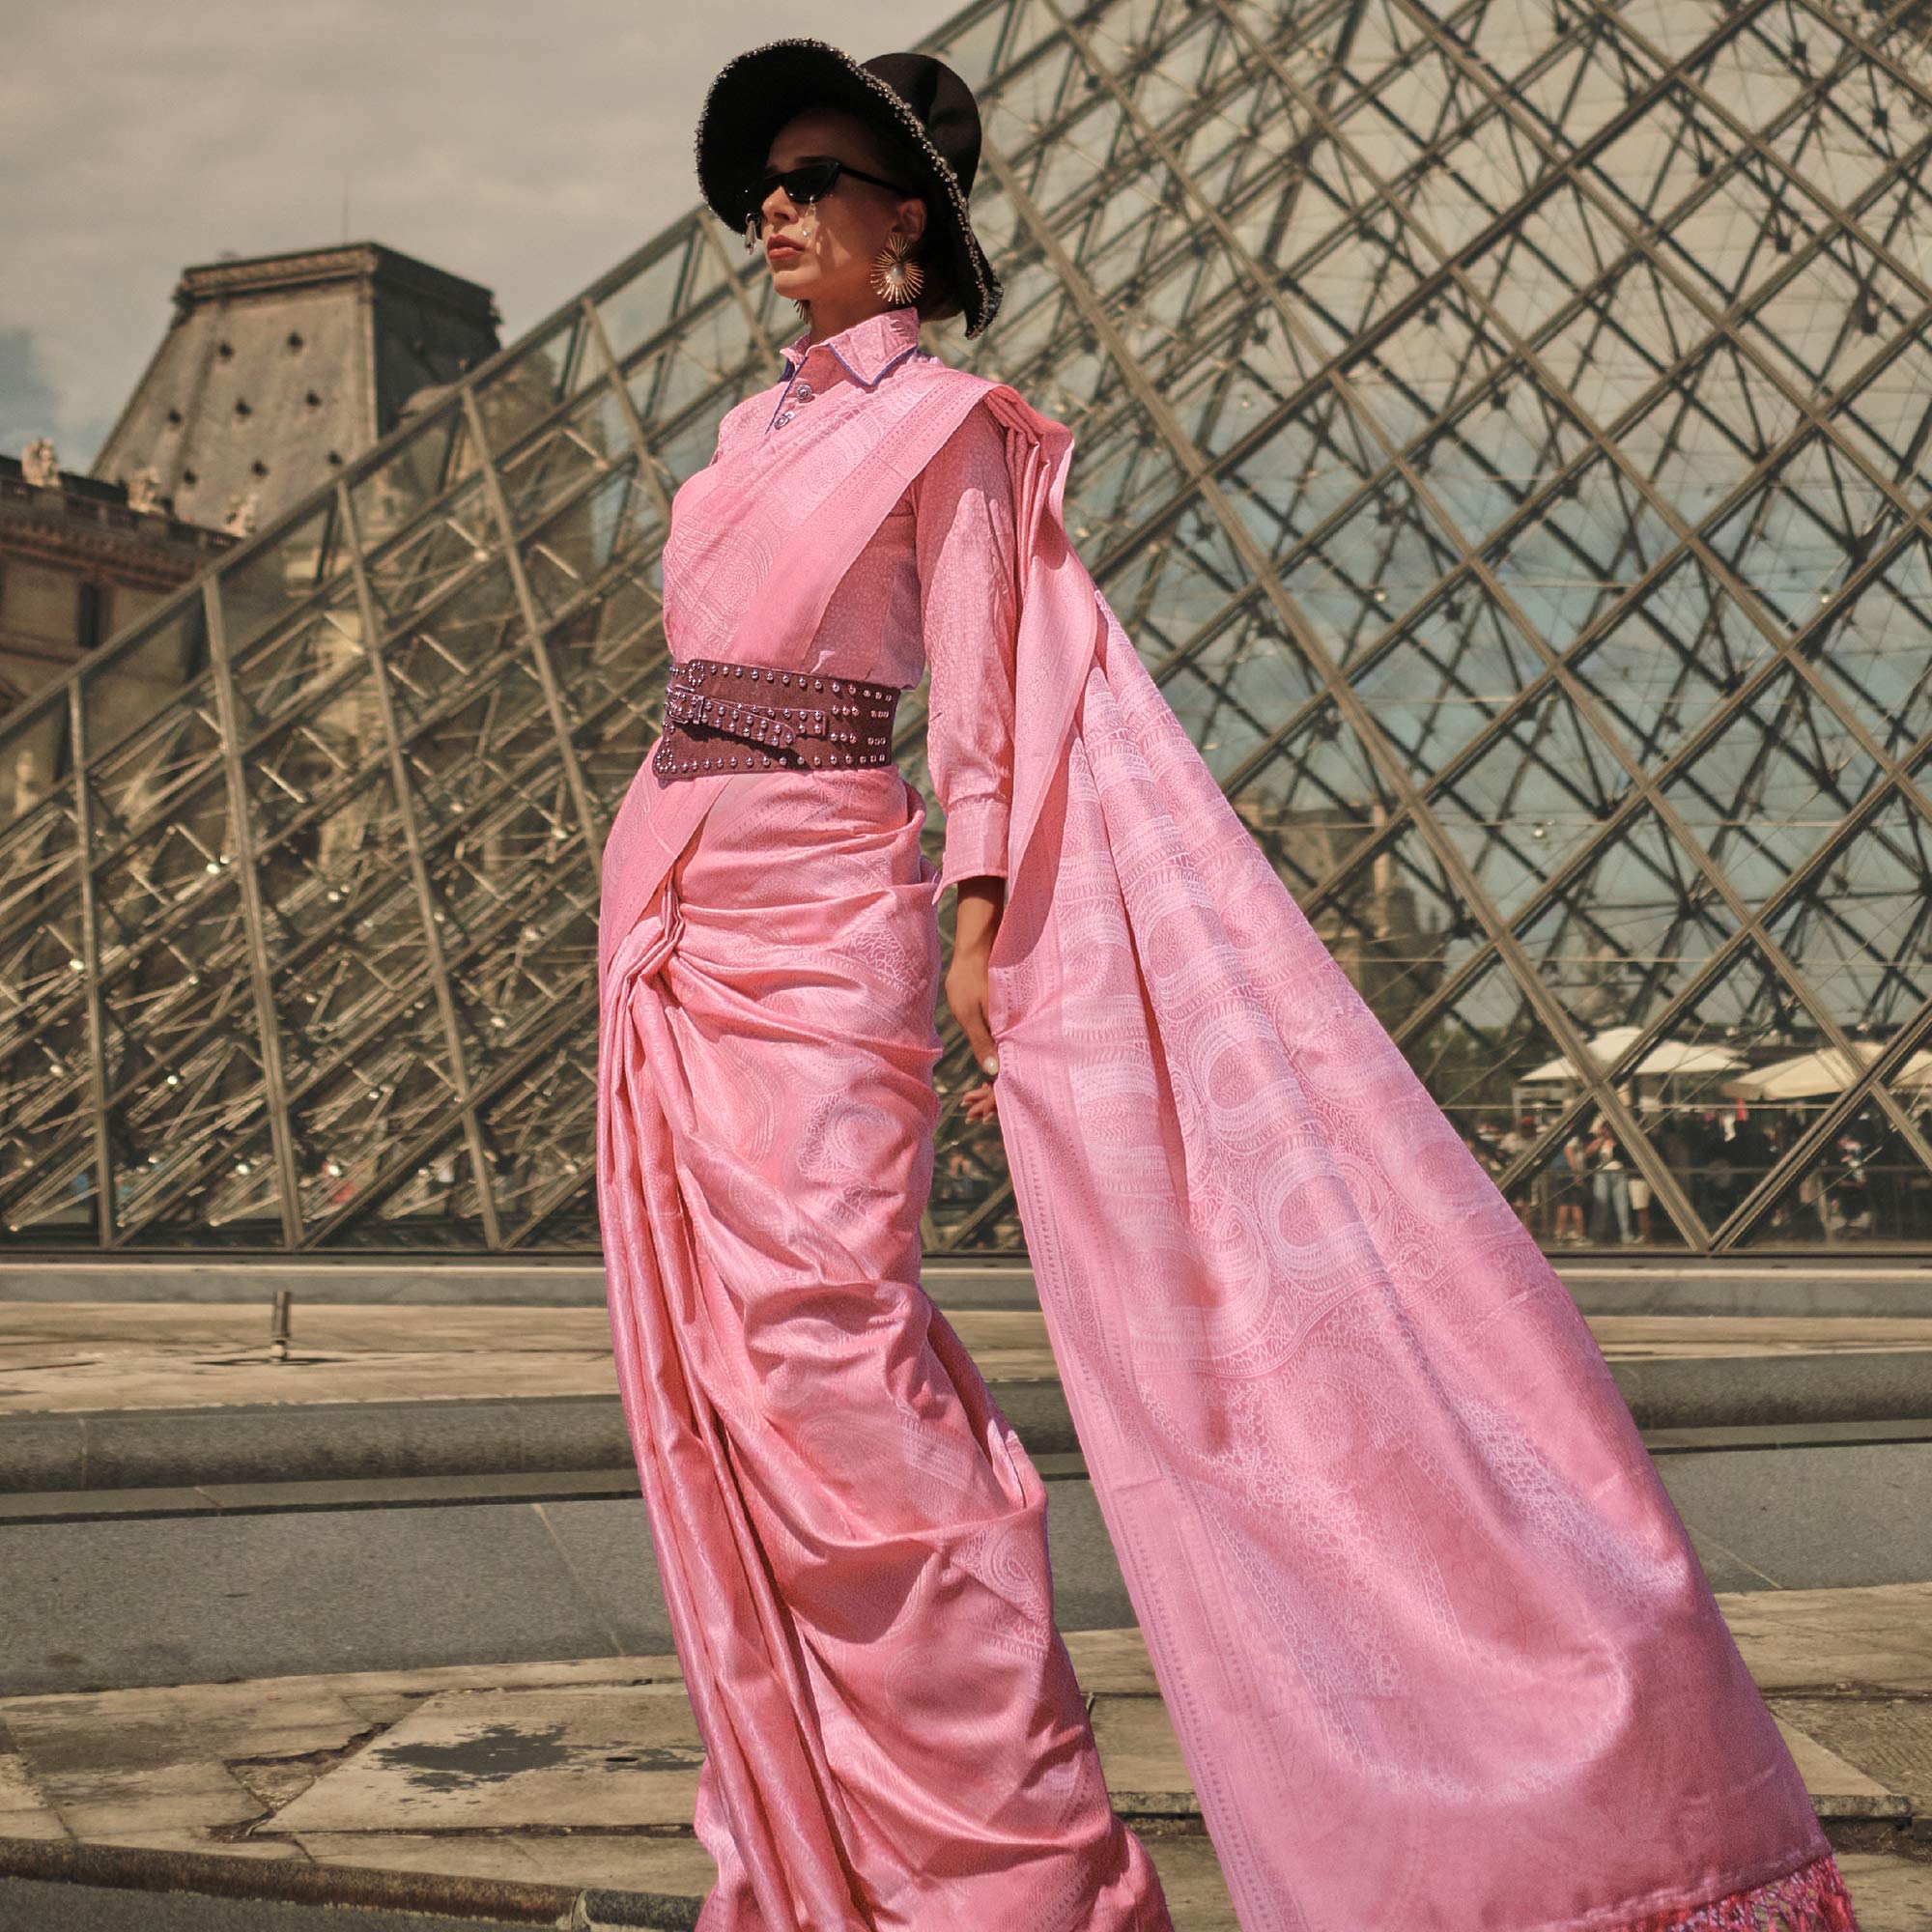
(564, 460)
(444, 547)
(1314, 801)
(1583, 1188)
(411, 474)
(644, 305)
(270, 578)
(1878, 654)
(1856, 926)
(305, 666)
(434, 1206)
(540, 1129)
(222, 1179)
(1857, 1183)
(48, 1179)
(36, 753)
(164, 667)
(522, 391)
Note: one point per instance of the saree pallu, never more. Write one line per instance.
(851, 1539)
(1433, 1638)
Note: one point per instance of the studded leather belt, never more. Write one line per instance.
(723, 716)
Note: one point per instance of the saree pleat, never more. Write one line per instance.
(851, 1539)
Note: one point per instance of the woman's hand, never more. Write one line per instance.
(980, 902)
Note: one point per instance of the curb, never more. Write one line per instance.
(118, 1449)
(293, 1443)
(209, 1874)
(1739, 1391)
(443, 1284)
(1600, 1285)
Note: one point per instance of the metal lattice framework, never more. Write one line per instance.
(1503, 429)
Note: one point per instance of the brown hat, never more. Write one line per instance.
(922, 107)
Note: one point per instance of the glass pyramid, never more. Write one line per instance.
(1504, 431)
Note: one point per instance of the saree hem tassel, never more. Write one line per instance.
(1809, 1900)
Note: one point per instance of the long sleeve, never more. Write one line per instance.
(969, 603)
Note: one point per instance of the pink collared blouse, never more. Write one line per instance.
(934, 591)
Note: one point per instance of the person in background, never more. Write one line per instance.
(1610, 1183)
(1572, 1190)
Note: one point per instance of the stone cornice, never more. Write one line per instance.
(316, 268)
(155, 549)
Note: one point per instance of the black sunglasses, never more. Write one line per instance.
(806, 183)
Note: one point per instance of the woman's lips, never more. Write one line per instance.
(777, 249)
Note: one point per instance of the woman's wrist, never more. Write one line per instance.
(979, 903)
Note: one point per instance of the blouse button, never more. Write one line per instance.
(802, 392)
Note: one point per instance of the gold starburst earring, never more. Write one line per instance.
(896, 275)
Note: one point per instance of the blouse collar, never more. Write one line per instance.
(866, 351)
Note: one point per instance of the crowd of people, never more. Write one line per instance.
(1593, 1194)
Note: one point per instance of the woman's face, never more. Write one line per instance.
(838, 236)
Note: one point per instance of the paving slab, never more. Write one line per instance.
(1838, 1790)
(1879, 1638)
(114, 1805)
(65, 1358)
(506, 1760)
(25, 1811)
(69, 1905)
(1888, 1738)
(1890, 1895)
(1810, 1519)
(1632, 1281)
(1141, 1758)
(130, 1730)
(1112, 1663)
(197, 1839)
(1190, 1875)
(93, 1607)
(439, 1281)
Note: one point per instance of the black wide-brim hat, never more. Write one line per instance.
(917, 102)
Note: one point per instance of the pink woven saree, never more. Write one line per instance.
(1433, 1640)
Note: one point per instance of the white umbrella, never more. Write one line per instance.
(1831, 1070)
(1602, 1049)
(1673, 1056)
(1666, 1057)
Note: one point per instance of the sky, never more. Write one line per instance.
(524, 146)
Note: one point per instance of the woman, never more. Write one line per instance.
(1432, 1639)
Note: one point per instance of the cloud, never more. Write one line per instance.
(527, 149)
(27, 405)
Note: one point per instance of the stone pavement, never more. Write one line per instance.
(582, 1773)
(70, 1357)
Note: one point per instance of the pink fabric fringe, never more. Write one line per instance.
(1810, 1899)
